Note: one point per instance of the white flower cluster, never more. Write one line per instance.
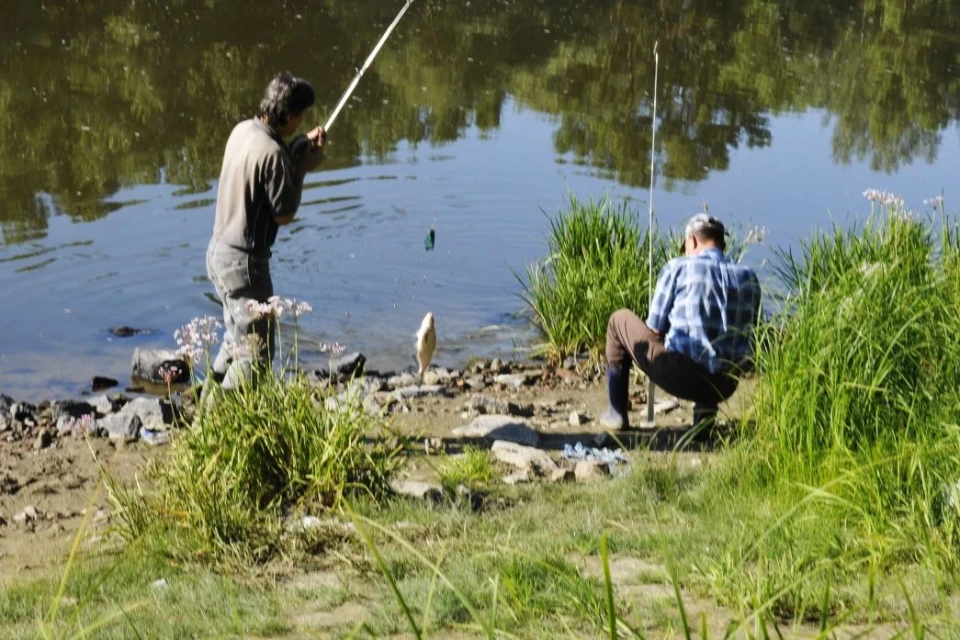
(755, 235)
(81, 425)
(936, 201)
(883, 197)
(196, 337)
(333, 348)
(276, 306)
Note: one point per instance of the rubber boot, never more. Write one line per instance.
(704, 422)
(618, 392)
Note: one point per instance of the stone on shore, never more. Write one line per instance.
(71, 409)
(103, 404)
(523, 457)
(402, 380)
(576, 419)
(499, 427)
(561, 474)
(150, 364)
(121, 426)
(44, 440)
(417, 489)
(343, 367)
(487, 405)
(422, 391)
(153, 413)
(517, 477)
(591, 471)
(513, 380)
(101, 383)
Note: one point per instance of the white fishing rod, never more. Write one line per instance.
(366, 65)
(651, 387)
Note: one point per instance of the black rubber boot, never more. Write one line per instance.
(618, 392)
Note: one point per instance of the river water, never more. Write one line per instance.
(476, 119)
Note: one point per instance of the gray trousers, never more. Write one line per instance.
(248, 342)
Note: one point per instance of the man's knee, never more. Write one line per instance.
(617, 319)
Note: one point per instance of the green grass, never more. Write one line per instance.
(597, 264)
(255, 456)
(472, 468)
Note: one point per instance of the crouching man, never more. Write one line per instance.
(698, 335)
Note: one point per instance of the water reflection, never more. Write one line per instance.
(95, 97)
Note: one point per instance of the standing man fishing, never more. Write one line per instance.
(259, 191)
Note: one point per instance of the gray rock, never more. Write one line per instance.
(6, 403)
(475, 382)
(437, 376)
(22, 411)
(484, 404)
(523, 457)
(511, 380)
(499, 427)
(560, 474)
(153, 413)
(27, 515)
(402, 380)
(44, 440)
(422, 391)
(71, 409)
(122, 426)
(103, 404)
(155, 438)
(496, 366)
(517, 477)
(345, 366)
(102, 382)
(417, 489)
(591, 471)
(149, 364)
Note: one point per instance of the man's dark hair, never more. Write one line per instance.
(717, 236)
(286, 96)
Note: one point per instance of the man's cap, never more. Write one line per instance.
(706, 224)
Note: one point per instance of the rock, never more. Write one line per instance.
(150, 364)
(567, 377)
(402, 380)
(155, 438)
(153, 413)
(71, 409)
(27, 515)
(591, 471)
(6, 403)
(517, 477)
(102, 382)
(488, 405)
(22, 411)
(436, 376)
(561, 474)
(512, 380)
(345, 366)
(124, 331)
(576, 419)
(122, 426)
(499, 427)
(475, 382)
(103, 404)
(44, 440)
(523, 457)
(422, 391)
(417, 489)
(496, 366)
(433, 445)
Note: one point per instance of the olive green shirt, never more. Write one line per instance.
(257, 183)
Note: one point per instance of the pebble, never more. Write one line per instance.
(591, 471)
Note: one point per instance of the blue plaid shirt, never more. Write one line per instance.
(706, 306)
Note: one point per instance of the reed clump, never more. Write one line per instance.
(597, 263)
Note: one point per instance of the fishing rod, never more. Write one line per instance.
(366, 65)
(651, 387)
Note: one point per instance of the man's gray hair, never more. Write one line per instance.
(706, 226)
(286, 97)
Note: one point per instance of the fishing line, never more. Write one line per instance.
(651, 387)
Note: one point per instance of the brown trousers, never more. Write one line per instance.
(629, 339)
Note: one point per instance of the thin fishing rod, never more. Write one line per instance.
(651, 388)
(366, 65)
